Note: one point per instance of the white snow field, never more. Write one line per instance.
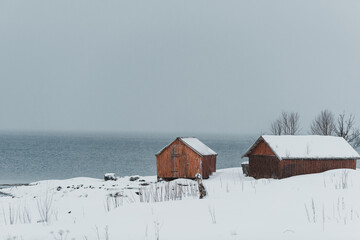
(316, 206)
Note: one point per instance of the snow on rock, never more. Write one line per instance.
(109, 177)
(314, 206)
(309, 147)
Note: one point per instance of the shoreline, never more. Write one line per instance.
(7, 185)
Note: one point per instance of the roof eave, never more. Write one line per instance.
(163, 149)
(180, 138)
(247, 153)
(255, 144)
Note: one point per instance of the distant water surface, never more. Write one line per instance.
(32, 157)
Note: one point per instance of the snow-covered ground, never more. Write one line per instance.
(316, 206)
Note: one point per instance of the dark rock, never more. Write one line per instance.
(134, 178)
(145, 184)
(58, 188)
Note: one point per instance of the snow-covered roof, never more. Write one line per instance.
(195, 144)
(307, 147)
(198, 146)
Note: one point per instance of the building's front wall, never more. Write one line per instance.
(263, 166)
(262, 149)
(263, 163)
(180, 161)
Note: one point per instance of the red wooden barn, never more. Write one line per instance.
(285, 156)
(185, 157)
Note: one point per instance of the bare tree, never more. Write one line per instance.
(284, 118)
(293, 121)
(287, 124)
(276, 127)
(323, 124)
(345, 128)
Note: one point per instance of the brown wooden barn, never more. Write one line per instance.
(185, 157)
(286, 156)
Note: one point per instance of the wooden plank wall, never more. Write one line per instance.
(305, 166)
(209, 165)
(261, 166)
(163, 162)
(262, 149)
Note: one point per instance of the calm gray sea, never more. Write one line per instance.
(32, 157)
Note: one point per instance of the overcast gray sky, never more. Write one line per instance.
(175, 66)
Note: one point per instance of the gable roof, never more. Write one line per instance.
(307, 147)
(195, 144)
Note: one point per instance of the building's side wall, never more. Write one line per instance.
(213, 163)
(194, 163)
(182, 165)
(294, 167)
(209, 165)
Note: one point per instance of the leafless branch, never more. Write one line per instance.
(287, 124)
(346, 128)
(323, 124)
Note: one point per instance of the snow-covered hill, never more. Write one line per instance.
(317, 206)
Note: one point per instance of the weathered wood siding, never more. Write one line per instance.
(180, 161)
(209, 165)
(263, 163)
(262, 149)
(262, 166)
(306, 166)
